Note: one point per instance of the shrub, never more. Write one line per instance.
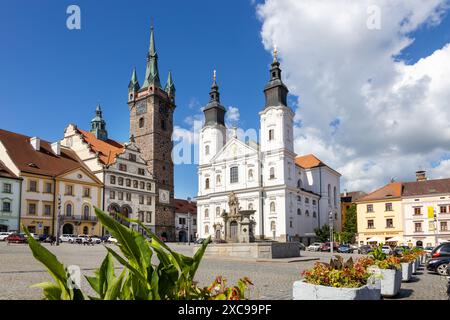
(338, 274)
(171, 279)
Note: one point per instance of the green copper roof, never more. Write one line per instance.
(170, 86)
(134, 83)
(151, 72)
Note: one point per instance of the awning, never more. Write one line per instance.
(394, 239)
(374, 239)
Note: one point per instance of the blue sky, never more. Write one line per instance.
(51, 76)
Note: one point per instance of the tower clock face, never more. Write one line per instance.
(164, 196)
(141, 107)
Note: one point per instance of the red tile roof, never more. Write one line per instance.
(108, 150)
(308, 161)
(184, 206)
(6, 173)
(426, 187)
(43, 161)
(391, 190)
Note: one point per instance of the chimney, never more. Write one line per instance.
(345, 192)
(421, 176)
(189, 199)
(56, 147)
(35, 143)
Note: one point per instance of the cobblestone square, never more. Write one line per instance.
(273, 280)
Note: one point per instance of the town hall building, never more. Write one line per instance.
(290, 194)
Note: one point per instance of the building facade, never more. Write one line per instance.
(185, 220)
(10, 189)
(290, 195)
(380, 217)
(347, 200)
(129, 189)
(151, 110)
(426, 210)
(57, 189)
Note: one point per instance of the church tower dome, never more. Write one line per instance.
(98, 125)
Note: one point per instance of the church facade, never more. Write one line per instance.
(290, 194)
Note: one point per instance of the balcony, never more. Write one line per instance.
(78, 218)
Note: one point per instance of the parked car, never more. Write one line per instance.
(442, 250)
(314, 246)
(302, 246)
(67, 238)
(428, 250)
(34, 235)
(82, 239)
(387, 250)
(96, 240)
(201, 240)
(439, 265)
(43, 237)
(365, 249)
(345, 248)
(17, 238)
(111, 239)
(327, 247)
(4, 235)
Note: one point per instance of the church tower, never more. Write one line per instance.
(213, 134)
(151, 125)
(98, 125)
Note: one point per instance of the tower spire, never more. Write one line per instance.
(98, 125)
(214, 93)
(214, 111)
(134, 83)
(275, 90)
(151, 72)
(170, 86)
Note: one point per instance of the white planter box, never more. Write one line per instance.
(414, 267)
(417, 262)
(406, 271)
(391, 280)
(307, 291)
(423, 258)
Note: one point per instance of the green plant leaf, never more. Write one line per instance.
(51, 291)
(114, 289)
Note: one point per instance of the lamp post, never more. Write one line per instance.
(57, 220)
(435, 228)
(189, 228)
(331, 231)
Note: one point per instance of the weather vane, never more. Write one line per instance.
(214, 75)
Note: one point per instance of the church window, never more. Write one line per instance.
(206, 213)
(307, 213)
(299, 198)
(299, 212)
(271, 134)
(314, 202)
(250, 174)
(141, 122)
(272, 206)
(218, 182)
(299, 184)
(217, 211)
(329, 194)
(206, 229)
(306, 200)
(290, 224)
(314, 214)
(234, 178)
(207, 183)
(206, 150)
(334, 196)
(272, 173)
(250, 206)
(272, 226)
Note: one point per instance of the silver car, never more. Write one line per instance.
(314, 246)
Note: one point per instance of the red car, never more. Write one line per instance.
(16, 238)
(327, 247)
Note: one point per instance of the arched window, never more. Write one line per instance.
(141, 122)
(250, 206)
(234, 178)
(218, 180)
(307, 213)
(85, 230)
(299, 212)
(217, 211)
(299, 184)
(329, 194)
(86, 211)
(272, 173)
(314, 214)
(272, 206)
(250, 174)
(206, 213)
(207, 183)
(206, 229)
(271, 134)
(206, 150)
(334, 196)
(69, 209)
(273, 226)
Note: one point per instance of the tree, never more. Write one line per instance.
(323, 233)
(350, 225)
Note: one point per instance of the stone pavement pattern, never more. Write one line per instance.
(273, 280)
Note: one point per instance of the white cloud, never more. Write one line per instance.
(232, 115)
(361, 110)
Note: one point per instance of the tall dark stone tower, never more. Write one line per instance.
(151, 124)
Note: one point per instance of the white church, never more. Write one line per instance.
(290, 194)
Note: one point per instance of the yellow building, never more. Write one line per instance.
(380, 216)
(347, 200)
(52, 175)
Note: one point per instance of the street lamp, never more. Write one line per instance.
(331, 231)
(435, 228)
(57, 220)
(189, 228)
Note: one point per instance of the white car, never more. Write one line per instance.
(3, 235)
(314, 246)
(67, 238)
(386, 249)
(82, 239)
(111, 239)
(96, 240)
(34, 235)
